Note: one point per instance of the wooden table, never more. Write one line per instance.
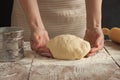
(105, 65)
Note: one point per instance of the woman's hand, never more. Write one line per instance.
(96, 39)
(39, 39)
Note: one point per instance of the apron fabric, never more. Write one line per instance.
(59, 17)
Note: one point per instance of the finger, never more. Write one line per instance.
(46, 40)
(37, 43)
(34, 46)
(99, 43)
(92, 52)
(42, 43)
(95, 49)
(44, 52)
(37, 40)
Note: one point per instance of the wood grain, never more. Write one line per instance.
(98, 67)
(102, 66)
(114, 51)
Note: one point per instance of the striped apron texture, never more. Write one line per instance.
(59, 17)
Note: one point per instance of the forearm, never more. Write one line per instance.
(32, 13)
(93, 13)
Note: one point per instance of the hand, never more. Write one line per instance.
(96, 39)
(38, 41)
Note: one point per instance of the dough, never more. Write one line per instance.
(68, 47)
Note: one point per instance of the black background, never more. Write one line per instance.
(111, 13)
(5, 12)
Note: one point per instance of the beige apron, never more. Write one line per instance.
(59, 17)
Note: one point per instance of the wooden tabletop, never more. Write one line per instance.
(104, 65)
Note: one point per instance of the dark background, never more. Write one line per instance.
(110, 13)
(5, 12)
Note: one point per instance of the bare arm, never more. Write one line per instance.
(94, 32)
(32, 13)
(39, 36)
(93, 9)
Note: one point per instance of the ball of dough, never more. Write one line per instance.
(68, 47)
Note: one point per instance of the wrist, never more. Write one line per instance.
(94, 26)
(36, 27)
(38, 30)
(93, 21)
(36, 24)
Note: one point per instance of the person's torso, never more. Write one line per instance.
(62, 16)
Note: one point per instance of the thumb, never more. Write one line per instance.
(45, 52)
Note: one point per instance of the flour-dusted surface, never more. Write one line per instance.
(102, 66)
(18, 70)
(98, 67)
(114, 50)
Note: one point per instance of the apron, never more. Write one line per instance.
(58, 16)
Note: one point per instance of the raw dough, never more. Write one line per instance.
(68, 47)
